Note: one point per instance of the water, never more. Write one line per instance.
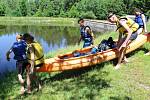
(51, 38)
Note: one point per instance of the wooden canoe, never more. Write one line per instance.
(58, 63)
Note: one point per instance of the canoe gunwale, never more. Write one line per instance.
(85, 56)
(57, 64)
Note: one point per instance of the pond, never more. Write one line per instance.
(51, 38)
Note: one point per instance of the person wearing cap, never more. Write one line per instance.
(35, 57)
(86, 34)
(19, 50)
(127, 32)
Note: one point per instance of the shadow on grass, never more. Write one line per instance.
(73, 73)
(80, 80)
(79, 77)
(114, 61)
(7, 84)
(120, 98)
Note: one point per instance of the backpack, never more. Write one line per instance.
(111, 43)
(106, 44)
(103, 46)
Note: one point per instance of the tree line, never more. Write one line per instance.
(97, 9)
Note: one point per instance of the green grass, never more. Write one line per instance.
(41, 21)
(100, 82)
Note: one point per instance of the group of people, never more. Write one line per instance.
(128, 31)
(29, 56)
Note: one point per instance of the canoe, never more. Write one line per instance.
(68, 62)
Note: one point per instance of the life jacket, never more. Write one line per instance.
(138, 19)
(38, 54)
(19, 49)
(132, 25)
(82, 31)
(87, 37)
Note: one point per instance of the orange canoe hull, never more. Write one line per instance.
(58, 64)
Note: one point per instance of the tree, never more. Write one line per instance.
(2, 8)
(23, 7)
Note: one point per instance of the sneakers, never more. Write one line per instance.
(29, 91)
(117, 66)
(147, 54)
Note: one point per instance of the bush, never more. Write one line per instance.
(147, 15)
(73, 12)
(88, 14)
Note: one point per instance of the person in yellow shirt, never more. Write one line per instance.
(127, 32)
(35, 57)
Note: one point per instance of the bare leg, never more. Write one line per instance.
(125, 60)
(38, 79)
(28, 80)
(121, 56)
(22, 90)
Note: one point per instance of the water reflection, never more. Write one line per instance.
(50, 37)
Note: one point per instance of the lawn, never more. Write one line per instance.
(100, 82)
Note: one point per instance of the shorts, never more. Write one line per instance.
(21, 66)
(133, 36)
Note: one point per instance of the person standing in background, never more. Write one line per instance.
(140, 19)
(86, 34)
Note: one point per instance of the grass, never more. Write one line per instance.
(41, 21)
(99, 82)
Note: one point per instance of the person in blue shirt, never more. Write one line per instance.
(140, 19)
(19, 50)
(86, 34)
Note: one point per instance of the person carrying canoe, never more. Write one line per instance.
(19, 50)
(86, 34)
(35, 57)
(127, 32)
(140, 19)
